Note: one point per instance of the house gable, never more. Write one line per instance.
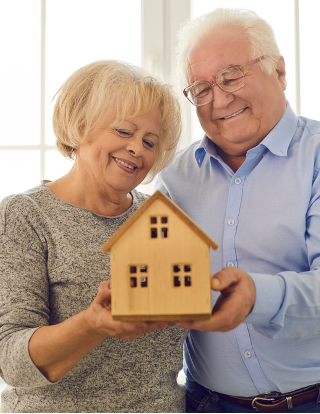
(158, 195)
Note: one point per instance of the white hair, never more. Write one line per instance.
(259, 33)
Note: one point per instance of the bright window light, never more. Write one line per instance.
(77, 32)
(56, 165)
(20, 72)
(100, 29)
(19, 171)
(309, 58)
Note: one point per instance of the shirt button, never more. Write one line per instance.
(230, 264)
(237, 180)
(231, 222)
(247, 354)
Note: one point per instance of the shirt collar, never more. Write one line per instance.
(277, 141)
(279, 138)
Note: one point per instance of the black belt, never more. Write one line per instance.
(274, 403)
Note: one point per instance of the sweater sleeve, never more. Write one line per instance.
(24, 299)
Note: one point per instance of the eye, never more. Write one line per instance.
(203, 92)
(123, 133)
(200, 90)
(148, 144)
(230, 77)
(228, 82)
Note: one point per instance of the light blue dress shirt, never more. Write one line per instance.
(266, 220)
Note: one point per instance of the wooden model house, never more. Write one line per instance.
(160, 265)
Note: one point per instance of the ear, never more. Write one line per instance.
(281, 71)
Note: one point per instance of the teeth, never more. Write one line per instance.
(125, 164)
(236, 113)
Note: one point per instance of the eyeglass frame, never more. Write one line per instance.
(213, 83)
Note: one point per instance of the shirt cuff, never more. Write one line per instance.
(270, 290)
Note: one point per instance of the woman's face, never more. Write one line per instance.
(117, 159)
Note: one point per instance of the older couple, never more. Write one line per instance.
(251, 183)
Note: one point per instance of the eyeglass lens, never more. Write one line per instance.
(228, 80)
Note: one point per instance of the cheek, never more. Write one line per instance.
(204, 114)
(150, 160)
(202, 111)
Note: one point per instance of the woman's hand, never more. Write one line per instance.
(99, 319)
(56, 349)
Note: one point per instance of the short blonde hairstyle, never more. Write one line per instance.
(118, 91)
(259, 33)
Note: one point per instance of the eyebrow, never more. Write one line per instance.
(221, 70)
(152, 133)
(148, 133)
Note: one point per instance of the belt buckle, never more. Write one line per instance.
(261, 399)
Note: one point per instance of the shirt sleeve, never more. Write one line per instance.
(24, 298)
(288, 304)
(160, 186)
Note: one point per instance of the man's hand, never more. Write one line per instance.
(238, 295)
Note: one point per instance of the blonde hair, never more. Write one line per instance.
(118, 91)
(258, 32)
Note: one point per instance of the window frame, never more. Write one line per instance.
(163, 17)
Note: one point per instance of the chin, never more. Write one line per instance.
(241, 137)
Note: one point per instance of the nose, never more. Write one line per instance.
(135, 146)
(221, 98)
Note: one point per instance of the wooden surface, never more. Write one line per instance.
(183, 246)
(158, 195)
(132, 318)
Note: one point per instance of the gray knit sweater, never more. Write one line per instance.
(50, 267)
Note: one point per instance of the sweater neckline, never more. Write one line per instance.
(129, 211)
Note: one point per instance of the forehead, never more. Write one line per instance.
(214, 53)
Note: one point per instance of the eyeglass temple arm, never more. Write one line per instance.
(255, 61)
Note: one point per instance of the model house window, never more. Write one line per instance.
(181, 275)
(159, 227)
(138, 276)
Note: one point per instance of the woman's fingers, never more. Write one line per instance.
(100, 318)
(103, 297)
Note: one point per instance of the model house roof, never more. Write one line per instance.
(158, 195)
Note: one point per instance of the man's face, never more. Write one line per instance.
(258, 106)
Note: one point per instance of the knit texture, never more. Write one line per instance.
(51, 265)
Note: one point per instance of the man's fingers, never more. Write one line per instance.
(224, 278)
(232, 306)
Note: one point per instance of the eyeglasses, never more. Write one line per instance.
(230, 79)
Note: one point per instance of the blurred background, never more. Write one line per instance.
(44, 41)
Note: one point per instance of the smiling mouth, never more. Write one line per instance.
(124, 164)
(236, 113)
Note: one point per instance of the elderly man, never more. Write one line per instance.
(252, 183)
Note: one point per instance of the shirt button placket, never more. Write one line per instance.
(232, 212)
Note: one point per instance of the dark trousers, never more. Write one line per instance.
(201, 400)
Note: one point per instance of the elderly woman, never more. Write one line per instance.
(60, 350)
